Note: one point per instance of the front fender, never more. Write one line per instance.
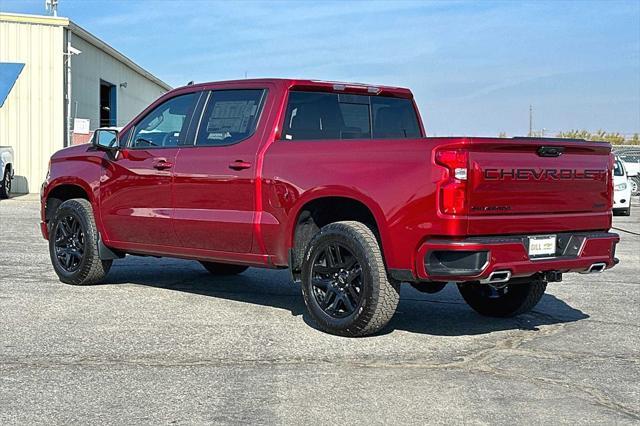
(80, 172)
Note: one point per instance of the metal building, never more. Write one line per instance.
(61, 83)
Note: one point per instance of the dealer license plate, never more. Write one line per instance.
(540, 246)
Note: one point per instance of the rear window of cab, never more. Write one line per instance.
(337, 116)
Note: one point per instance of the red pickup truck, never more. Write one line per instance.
(338, 183)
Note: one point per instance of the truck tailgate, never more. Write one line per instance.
(545, 183)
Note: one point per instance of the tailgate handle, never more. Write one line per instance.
(550, 151)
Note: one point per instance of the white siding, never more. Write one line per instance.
(93, 65)
(32, 117)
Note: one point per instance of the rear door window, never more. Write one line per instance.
(320, 115)
(230, 116)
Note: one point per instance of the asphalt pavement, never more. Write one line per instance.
(163, 342)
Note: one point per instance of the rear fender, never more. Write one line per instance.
(339, 191)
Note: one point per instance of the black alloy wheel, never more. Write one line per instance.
(69, 244)
(344, 281)
(73, 244)
(336, 280)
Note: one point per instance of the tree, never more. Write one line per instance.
(613, 138)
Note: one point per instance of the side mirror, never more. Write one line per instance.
(105, 139)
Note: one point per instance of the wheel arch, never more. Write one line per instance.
(63, 190)
(323, 207)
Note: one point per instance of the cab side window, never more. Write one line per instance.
(394, 118)
(317, 115)
(230, 116)
(333, 116)
(166, 125)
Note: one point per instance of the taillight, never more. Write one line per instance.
(453, 188)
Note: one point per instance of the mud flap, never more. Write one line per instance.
(105, 253)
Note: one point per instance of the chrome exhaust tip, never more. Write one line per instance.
(596, 268)
(497, 277)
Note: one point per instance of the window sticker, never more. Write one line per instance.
(219, 136)
(230, 116)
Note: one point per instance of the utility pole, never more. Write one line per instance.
(530, 120)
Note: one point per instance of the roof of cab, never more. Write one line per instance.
(314, 85)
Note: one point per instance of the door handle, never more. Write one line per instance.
(162, 164)
(239, 165)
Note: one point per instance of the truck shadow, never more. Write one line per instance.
(441, 314)
(447, 314)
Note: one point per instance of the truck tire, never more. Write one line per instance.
(5, 184)
(508, 301)
(216, 268)
(344, 281)
(73, 244)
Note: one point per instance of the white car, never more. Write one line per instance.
(6, 170)
(621, 189)
(631, 162)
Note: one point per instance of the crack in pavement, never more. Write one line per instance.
(480, 360)
(475, 362)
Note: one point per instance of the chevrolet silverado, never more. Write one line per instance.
(338, 183)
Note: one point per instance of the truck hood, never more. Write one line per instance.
(71, 151)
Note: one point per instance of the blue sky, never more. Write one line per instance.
(474, 67)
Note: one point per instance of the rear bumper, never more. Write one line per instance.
(476, 258)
